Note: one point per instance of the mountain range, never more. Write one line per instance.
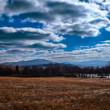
(36, 62)
(91, 63)
(29, 63)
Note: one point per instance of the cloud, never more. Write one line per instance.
(103, 45)
(45, 45)
(106, 5)
(93, 54)
(84, 18)
(18, 6)
(78, 18)
(107, 29)
(29, 38)
(2, 6)
(98, 52)
(16, 52)
(106, 41)
(10, 33)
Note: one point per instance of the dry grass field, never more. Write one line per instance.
(54, 94)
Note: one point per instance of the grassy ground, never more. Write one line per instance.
(54, 94)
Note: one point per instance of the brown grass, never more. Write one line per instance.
(54, 94)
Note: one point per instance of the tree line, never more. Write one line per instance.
(56, 70)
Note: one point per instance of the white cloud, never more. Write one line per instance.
(65, 16)
(29, 38)
(103, 45)
(2, 6)
(106, 5)
(87, 21)
(107, 29)
(17, 52)
(32, 32)
(99, 52)
(106, 41)
(73, 17)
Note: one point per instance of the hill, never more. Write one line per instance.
(90, 63)
(29, 62)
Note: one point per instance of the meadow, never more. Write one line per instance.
(54, 93)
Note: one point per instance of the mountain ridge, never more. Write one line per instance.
(29, 62)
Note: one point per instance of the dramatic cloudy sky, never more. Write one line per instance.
(57, 30)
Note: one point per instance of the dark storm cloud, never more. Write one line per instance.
(43, 45)
(74, 18)
(83, 18)
(9, 44)
(66, 9)
(62, 14)
(16, 51)
(9, 33)
(22, 35)
(15, 5)
(18, 6)
(39, 16)
(28, 38)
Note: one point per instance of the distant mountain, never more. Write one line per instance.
(90, 63)
(29, 63)
(37, 62)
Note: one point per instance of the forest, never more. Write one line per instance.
(56, 70)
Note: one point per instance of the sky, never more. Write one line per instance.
(56, 30)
